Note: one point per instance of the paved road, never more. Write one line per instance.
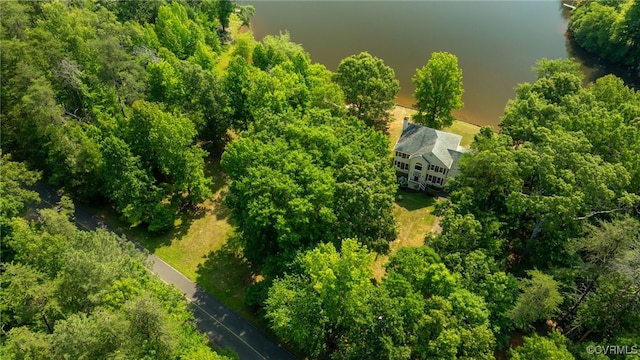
(224, 327)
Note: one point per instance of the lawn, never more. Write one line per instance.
(203, 246)
(414, 218)
(464, 129)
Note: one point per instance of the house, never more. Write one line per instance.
(426, 156)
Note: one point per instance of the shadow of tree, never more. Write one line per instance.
(413, 200)
(220, 209)
(226, 273)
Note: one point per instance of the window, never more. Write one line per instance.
(431, 167)
(397, 153)
(418, 167)
(443, 170)
(437, 169)
(429, 178)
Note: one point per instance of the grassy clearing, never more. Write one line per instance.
(203, 246)
(235, 28)
(466, 130)
(414, 218)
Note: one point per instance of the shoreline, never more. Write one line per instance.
(409, 108)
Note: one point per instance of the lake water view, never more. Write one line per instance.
(496, 42)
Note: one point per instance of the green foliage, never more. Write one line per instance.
(540, 299)
(543, 347)
(88, 295)
(332, 309)
(480, 274)
(176, 31)
(610, 30)
(224, 10)
(73, 74)
(608, 280)
(423, 269)
(438, 90)
(275, 50)
(13, 195)
(299, 182)
(370, 88)
(565, 161)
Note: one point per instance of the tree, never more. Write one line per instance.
(606, 285)
(225, 8)
(88, 294)
(542, 347)
(317, 310)
(301, 181)
(165, 141)
(609, 30)
(13, 195)
(370, 88)
(245, 12)
(176, 31)
(235, 85)
(438, 90)
(540, 299)
(481, 275)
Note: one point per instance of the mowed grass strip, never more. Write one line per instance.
(203, 246)
(414, 219)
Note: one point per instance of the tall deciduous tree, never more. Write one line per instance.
(224, 10)
(370, 88)
(438, 90)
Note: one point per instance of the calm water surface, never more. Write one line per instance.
(496, 42)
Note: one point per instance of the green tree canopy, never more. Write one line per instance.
(609, 29)
(540, 299)
(331, 308)
(438, 90)
(542, 347)
(370, 88)
(298, 182)
(87, 295)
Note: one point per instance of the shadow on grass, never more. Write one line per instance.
(184, 219)
(225, 273)
(412, 200)
(220, 210)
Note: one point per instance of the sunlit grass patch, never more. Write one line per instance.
(414, 218)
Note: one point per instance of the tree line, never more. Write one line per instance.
(68, 293)
(609, 29)
(126, 102)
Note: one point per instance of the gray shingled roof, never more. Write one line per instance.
(417, 140)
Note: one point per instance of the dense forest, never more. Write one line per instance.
(127, 103)
(609, 29)
(71, 294)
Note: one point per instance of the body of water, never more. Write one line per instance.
(496, 42)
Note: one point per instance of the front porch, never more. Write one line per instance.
(417, 185)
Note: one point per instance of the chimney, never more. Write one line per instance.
(405, 123)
